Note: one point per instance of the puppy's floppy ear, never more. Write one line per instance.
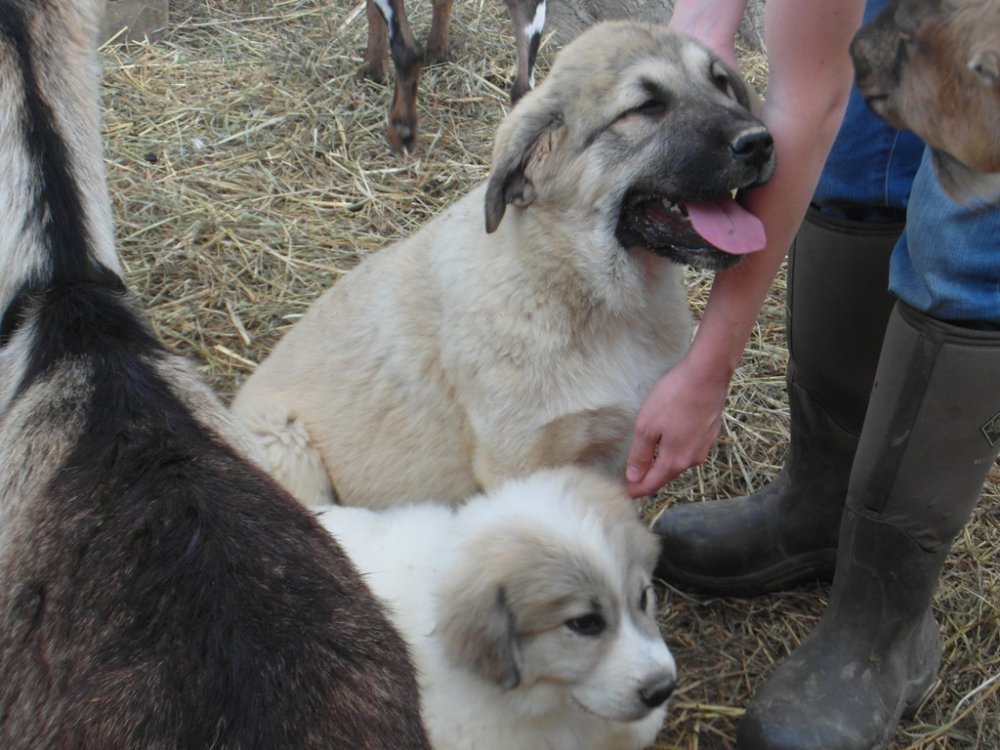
(518, 144)
(478, 628)
(592, 437)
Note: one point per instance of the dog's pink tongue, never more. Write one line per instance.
(727, 225)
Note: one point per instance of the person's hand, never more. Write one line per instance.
(677, 426)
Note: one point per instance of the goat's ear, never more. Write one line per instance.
(985, 63)
(516, 151)
(478, 629)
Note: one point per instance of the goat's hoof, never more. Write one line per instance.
(402, 135)
(437, 53)
(372, 72)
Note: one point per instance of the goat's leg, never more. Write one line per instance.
(528, 19)
(437, 42)
(373, 65)
(408, 59)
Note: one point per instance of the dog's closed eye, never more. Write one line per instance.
(592, 624)
(658, 101)
(651, 108)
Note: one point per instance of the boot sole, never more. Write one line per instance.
(812, 567)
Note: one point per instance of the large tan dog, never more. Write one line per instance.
(933, 66)
(464, 355)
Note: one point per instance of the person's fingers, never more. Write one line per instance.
(660, 471)
(651, 464)
(640, 457)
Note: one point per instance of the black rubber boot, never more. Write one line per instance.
(931, 434)
(786, 533)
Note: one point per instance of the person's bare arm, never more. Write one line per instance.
(809, 81)
(712, 23)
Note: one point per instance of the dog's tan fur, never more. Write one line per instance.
(459, 357)
(933, 66)
(157, 589)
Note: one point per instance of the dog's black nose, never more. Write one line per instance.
(754, 147)
(655, 694)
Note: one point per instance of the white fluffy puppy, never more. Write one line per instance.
(530, 612)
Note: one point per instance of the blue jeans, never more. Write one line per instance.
(947, 263)
(870, 164)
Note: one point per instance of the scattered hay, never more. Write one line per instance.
(249, 171)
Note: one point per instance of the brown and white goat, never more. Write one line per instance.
(933, 66)
(157, 589)
(387, 20)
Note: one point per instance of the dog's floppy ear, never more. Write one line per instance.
(478, 628)
(519, 142)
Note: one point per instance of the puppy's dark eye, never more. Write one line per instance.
(592, 624)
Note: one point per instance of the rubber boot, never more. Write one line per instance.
(786, 533)
(930, 436)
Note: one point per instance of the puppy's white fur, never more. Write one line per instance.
(488, 596)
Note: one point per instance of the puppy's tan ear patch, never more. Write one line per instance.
(521, 146)
(592, 437)
(478, 628)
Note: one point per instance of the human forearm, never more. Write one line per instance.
(738, 293)
(714, 24)
(803, 111)
(810, 77)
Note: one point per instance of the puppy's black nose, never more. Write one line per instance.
(754, 147)
(655, 693)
